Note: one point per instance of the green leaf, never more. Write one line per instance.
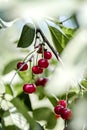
(84, 83)
(12, 120)
(1, 112)
(13, 127)
(18, 88)
(27, 36)
(52, 121)
(40, 92)
(69, 33)
(1, 128)
(39, 127)
(61, 38)
(8, 89)
(26, 100)
(52, 99)
(26, 75)
(41, 113)
(47, 115)
(56, 37)
(21, 108)
(71, 94)
(10, 66)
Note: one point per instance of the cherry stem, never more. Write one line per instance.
(28, 55)
(37, 59)
(21, 68)
(36, 39)
(42, 51)
(65, 123)
(81, 89)
(50, 46)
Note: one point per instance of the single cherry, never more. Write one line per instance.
(29, 88)
(19, 64)
(43, 63)
(62, 103)
(40, 50)
(58, 109)
(47, 55)
(41, 81)
(66, 114)
(37, 70)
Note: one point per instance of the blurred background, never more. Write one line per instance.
(15, 13)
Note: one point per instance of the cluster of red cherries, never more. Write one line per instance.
(43, 63)
(62, 111)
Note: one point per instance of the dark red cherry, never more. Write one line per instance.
(62, 103)
(58, 109)
(41, 81)
(47, 55)
(66, 114)
(37, 70)
(20, 64)
(29, 88)
(39, 50)
(43, 63)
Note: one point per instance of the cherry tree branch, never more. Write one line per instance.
(50, 46)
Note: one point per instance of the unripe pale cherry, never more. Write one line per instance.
(19, 64)
(29, 88)
(43, 63)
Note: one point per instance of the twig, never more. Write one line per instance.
(50, 46)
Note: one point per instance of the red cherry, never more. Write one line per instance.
(37, 70)
(47, 55)
(25, 67)
(66, 114)
(58, 109)
(41, 81)
(29, 88)
(62, 103)
(39, 50)
(43, 63)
